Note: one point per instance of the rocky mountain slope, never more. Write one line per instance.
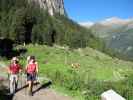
(24, 22)
(112, 25)
(53, 6)
(117, 33)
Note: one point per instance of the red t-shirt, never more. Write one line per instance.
(15, 68)
(31, 68)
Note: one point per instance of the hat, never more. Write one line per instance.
(28, 58)
(15, 59)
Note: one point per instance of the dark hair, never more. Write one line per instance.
(33, 58)
(16, 62)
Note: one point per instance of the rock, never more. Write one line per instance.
(53, 6)
(111, 95)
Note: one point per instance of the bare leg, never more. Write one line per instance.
(11, 85)
(30, 87)
(16, 83)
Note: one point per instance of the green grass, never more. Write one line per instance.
(97, 71)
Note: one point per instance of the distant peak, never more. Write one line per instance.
(115, 20)
(86, 24)
(108, 22)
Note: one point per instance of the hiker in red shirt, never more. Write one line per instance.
(14, 69)
(31, 70)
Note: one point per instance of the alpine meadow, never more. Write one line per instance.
(75, 62)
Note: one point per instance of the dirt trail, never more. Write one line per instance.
(40, 92)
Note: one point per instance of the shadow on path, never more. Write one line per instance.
(4, 94)
(43, 86)
(23, 87)
(4, 91)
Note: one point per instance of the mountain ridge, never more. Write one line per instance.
(108, 22)
(53, 6)
(117, 34)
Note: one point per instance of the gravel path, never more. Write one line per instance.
(40, 92)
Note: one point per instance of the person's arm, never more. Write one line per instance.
(37, 69)
(20, 69)
(26, 67)
(8, 70)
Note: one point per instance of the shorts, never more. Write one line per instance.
(31, 77)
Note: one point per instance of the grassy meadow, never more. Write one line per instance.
(81, 73)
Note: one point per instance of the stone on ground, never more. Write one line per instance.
(111, 95)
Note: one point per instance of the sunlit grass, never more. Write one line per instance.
(56, 62)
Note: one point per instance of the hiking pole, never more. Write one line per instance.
(25, 81)
(21, 79)
(36, 80)
(8, 82)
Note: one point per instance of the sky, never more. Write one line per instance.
(97, 10)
